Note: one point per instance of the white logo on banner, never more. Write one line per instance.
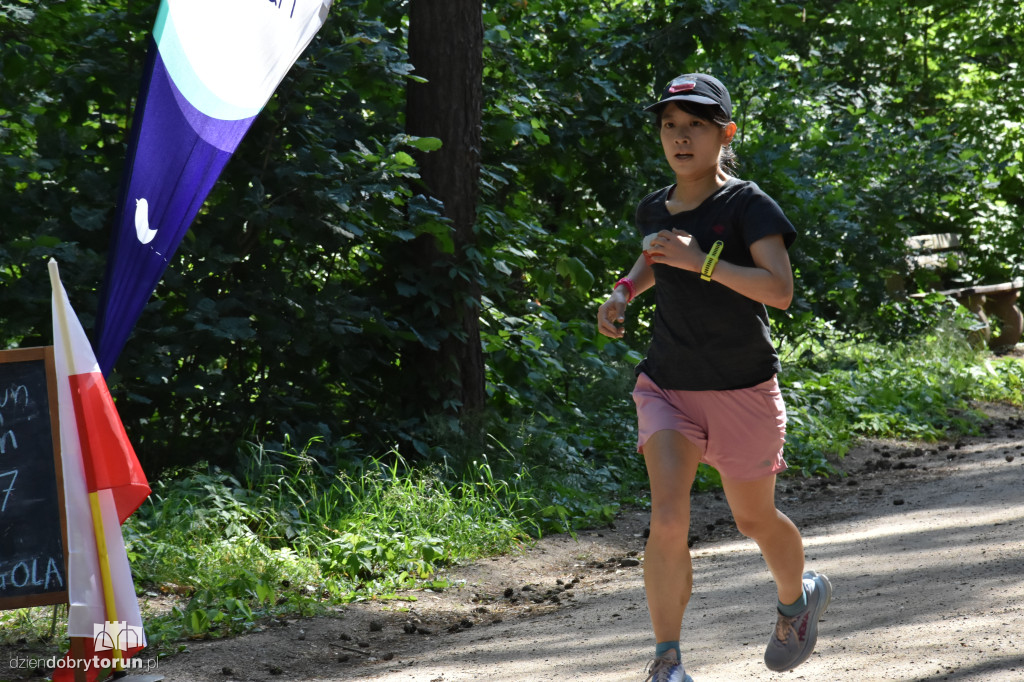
(142, 221)
(116, 635)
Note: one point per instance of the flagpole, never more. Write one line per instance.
(94, 499)
(108, 584)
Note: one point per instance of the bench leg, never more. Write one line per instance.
(1003, 306)
(976, 304)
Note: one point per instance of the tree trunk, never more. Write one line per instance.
(446, 48)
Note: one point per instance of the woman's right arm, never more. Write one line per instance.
(612, 312)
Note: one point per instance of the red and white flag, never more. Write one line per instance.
(103, 485)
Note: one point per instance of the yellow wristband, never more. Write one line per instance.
(711, 261)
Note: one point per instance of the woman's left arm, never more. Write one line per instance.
(770, 281)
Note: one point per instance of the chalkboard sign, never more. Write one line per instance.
(33, 533)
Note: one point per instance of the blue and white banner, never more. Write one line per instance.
(213, 66)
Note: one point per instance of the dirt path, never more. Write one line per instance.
(924, 545)
(929, 585)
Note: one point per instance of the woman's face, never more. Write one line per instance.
(692, 145)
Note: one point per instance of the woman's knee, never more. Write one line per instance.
(753, 506)
(672, 523)
(757, 525)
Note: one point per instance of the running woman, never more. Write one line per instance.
(716, 253)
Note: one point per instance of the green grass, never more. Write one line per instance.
(844, 389)
(287, 536)
(284, 534)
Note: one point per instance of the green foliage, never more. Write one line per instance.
(291, 310)
(843, 388)
(287, 536)
(38, 624)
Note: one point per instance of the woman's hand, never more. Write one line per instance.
(612, 314)
(678, 249)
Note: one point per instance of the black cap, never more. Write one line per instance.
(696, 87)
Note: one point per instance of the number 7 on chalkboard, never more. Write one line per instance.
(10, 486)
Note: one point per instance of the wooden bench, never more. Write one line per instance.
(940, 253)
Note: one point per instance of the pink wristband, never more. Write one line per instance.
(629, 285)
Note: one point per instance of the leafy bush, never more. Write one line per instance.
(290, 314)
(847, 387)
(287, 535)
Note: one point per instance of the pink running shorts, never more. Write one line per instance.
(739, 432)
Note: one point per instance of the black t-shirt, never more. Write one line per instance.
(706, 336)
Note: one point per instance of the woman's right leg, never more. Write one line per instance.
(668, 573)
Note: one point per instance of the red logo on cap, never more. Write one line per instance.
(685, 86)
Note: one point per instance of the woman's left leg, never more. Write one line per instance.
(801, 601)
(753, 507)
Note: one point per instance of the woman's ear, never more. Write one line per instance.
(730, 131)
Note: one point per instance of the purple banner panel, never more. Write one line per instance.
(211, 69)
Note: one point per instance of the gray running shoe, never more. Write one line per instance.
(793, 640)
(666, 668)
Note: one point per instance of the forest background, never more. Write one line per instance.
(297, 382)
